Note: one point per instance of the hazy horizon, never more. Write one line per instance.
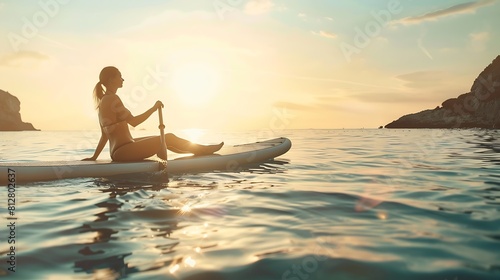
(220, 64)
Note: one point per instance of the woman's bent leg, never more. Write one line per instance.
(145, 147)
(179, 145)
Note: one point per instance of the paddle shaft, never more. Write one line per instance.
(163, 145)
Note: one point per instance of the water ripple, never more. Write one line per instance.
(341, 204)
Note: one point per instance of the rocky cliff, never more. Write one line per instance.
(10, 117)
(479, 108)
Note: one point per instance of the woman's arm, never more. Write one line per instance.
(100, 146)
(137, 120)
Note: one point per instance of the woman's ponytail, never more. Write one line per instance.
(98, 93)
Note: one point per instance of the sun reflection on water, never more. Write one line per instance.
(382, 215)
(173, 269)
(176, 266)
(185, 209)
(190, 261)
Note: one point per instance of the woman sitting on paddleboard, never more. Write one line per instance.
(114, 119)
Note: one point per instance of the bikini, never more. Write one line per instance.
(121, 114)
(116, 148)
(108, 127)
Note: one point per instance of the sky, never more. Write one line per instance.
(245, 64)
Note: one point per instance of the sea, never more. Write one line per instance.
(341, 204)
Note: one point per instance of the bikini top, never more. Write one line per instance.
(119, 109)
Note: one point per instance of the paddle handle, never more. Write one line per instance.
(163, 145)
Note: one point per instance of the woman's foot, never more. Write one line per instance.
(208, 149)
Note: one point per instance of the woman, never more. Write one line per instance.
(114, 119)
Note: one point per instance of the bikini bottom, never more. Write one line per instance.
(119, 147)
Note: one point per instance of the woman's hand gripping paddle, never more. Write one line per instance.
(162, 153)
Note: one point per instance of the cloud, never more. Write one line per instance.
(480, 36)
(258, 7)
(464, 8)
(424, 79)
(314, 18)
(434, 84)
(321, 103)
(479, 40)
(326, 34)
(332, 80)
(22, 58)
(392, 97)
(293, 106)
(168, 20)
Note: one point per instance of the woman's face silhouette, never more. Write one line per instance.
(115, 82)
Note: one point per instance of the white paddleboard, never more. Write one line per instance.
(228, 158)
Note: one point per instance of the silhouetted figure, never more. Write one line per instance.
(114, 119)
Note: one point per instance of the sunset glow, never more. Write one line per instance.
(330, 64)
(195, 83)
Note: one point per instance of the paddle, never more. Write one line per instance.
(163, 145)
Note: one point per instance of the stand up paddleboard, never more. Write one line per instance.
(228, 158)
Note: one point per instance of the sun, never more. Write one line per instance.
(195, 83)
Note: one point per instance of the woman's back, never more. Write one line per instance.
(113, 119)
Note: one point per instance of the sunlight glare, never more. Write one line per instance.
(190, 262)
(382, 215)
(193, 134)
(195, 83)
(174, 268)
(185, 209)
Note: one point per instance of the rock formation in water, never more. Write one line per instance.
(10, 116)
(479, 108)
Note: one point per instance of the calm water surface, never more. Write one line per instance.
(341, 204)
